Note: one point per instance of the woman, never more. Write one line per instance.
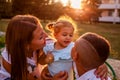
(24, 40)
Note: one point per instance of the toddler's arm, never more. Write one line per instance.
(45, 58)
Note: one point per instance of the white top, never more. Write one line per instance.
(3, 71)
(31, 65)
(89, 75)
(62, 59)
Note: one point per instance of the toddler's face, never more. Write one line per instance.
(64, 36)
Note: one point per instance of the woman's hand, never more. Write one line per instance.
(102, 72)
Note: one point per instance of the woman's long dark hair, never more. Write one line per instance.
(18, 36)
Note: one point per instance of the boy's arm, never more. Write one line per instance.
(102, 71)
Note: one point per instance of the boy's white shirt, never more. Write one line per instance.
(89, 75)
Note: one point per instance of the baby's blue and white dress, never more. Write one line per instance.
(62, 59)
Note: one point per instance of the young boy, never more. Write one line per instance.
(90, 51)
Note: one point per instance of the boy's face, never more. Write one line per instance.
(65, 36)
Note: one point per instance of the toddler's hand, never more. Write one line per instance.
(49, 57)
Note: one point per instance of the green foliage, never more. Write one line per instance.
(3, 25)
(5, 9)
(2, 41)
(43, 9)
(90, 8)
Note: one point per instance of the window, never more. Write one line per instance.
(110, 13)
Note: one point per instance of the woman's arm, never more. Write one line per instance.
(6, 65)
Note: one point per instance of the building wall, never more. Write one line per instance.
(110, 11)
(108, 1)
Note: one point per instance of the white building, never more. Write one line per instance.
(110, 11)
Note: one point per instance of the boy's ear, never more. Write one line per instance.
(75, 56)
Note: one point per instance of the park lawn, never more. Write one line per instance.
(108, 30)
(3, 25)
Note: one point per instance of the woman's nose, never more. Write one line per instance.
(45, 34)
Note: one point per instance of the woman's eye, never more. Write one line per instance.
(41, 38)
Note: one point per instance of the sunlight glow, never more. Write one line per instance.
(76, 4)
(56, 0)
(64, 2)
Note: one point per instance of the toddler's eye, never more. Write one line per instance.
(71, 35)
(64, 34)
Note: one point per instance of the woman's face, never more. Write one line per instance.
(38, 41)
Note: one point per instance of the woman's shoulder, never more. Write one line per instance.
(5, 55)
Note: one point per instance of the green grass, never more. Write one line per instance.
(108, 30)
(3, 25)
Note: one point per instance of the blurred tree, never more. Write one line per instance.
(44, 9)
(5, 9)
(90, 8)
(49, 10)
(21, 6)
